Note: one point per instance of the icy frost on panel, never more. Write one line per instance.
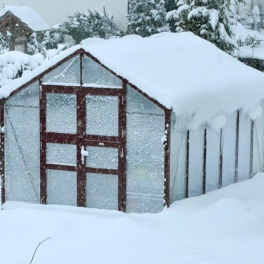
(244, 147)
(93, 73)
(102, 157)
(29, 96)
(178, 159)
(61, 187)
(196, 146)
(22, 154)
(102, 115)
(145, 155)
(62, 154)
(61, 113)
(212, 160)
(102, 191)
(67, 72)
(229, 150)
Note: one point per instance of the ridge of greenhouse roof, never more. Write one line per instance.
(180, 70)
(28, 16)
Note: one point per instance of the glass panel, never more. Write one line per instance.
(244, 147)
(102, 115)
(29, 96)
(212, 160)
(145, 158)
(66, 73)
(178, 159)
(61, 113)
(95, 75)
(22, 154)
(140, 104)
(196, 151)
(102, 191)
(62, 154)
(102, 157)
(229, 150)
(61, 187)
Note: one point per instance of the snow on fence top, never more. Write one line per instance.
(180, 70)
(28, 16)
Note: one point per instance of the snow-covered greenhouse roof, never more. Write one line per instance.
(179, 70)
(28, 16)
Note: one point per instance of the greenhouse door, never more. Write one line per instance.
(83, 147)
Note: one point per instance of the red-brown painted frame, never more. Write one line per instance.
(121, 143)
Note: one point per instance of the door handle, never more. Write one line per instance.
(84, 153)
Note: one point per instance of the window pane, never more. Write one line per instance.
(68, 72)
(102, 191)
(61, 113)
(102, 115)
(95, 75)
(102, 157)
(61, 187)
(62, 154)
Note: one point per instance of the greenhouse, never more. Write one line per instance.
(130, 124)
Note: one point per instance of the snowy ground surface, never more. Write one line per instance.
(224, 226)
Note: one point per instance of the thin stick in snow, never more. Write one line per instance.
(37, 249)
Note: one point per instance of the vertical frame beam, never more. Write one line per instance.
(2, 150)
(204, 160)
(221, 160)
(167, 158)
(81, 68)
(43, 145)
(187, 164)
(251, 148)
(122, 128)
(81, 129)
(237, 146)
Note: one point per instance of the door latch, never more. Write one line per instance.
(84, 153)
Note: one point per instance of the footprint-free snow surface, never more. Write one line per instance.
(224, 226)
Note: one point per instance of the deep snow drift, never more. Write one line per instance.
(224, 226)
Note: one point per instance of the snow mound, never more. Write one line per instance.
(181, 71)
(220, 227)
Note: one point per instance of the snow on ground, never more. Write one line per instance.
(223, 226)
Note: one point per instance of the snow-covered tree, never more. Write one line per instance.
(81, 26)
(256, 18)
(209, 19)
(147, 17)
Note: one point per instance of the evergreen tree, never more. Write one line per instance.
(169, 6)
(210, 19)
(93, 24)
(147, 17)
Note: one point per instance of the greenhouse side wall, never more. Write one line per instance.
(145, 154)
(205, 159)
(22, 145)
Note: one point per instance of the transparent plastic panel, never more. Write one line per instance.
(94, 75)
(102, 157)
(258, 142)
(244, 147)
(196, 152)
(61, 154)
(229, 150)
(66, 73)
(178, 159)
(102, 191)
(212, 160)
(22, 158)
(61, 113)
(29, 96)
(102, 115)
(138, 104)
(61, 187)
(145, 160)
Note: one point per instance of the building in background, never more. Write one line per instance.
(55, 12)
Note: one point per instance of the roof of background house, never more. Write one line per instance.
(27, 15)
